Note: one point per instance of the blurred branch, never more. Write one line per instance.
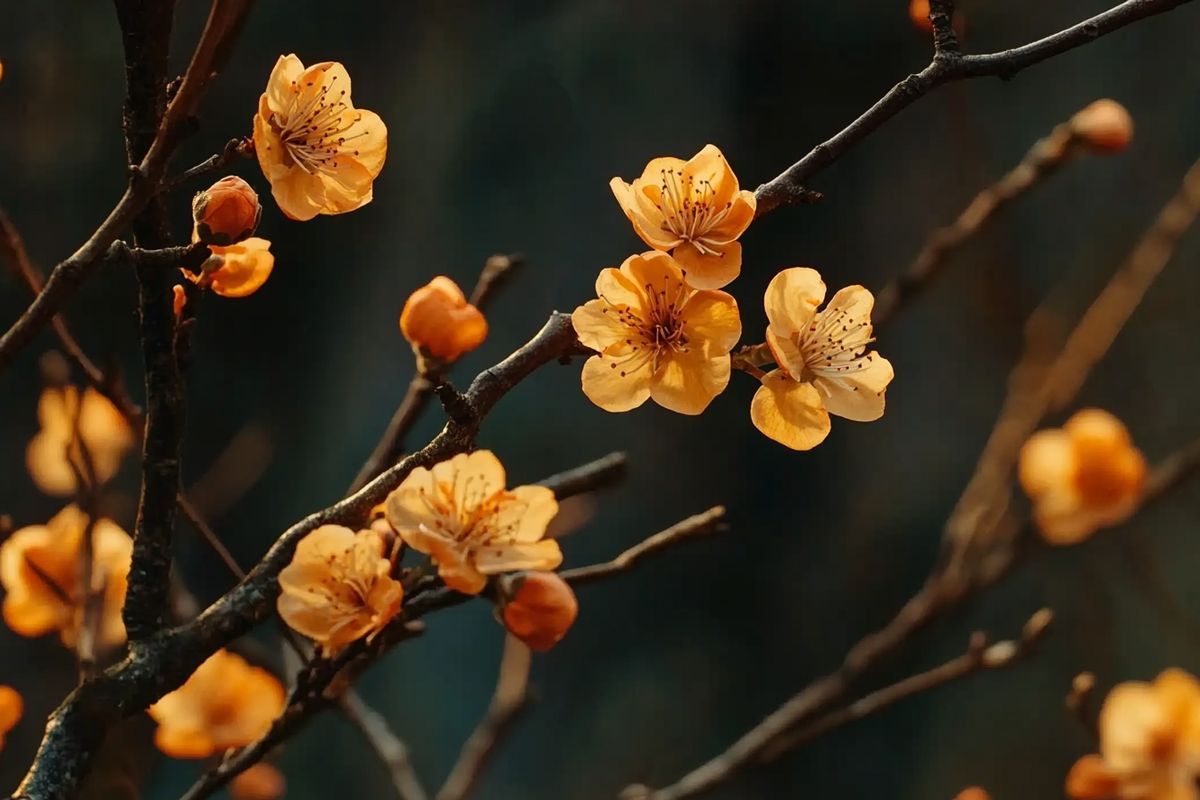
(388, 747)
(604, 471)
(771, 741)
(1042, 160)
(224, 20)
(697, 525)
(421, 389)
(948, 65)
(982, 531)
(509, 701)
(13, 248)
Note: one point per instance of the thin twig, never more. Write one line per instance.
(509, 701)
(946, 67)
(422, 387)
(604, 471)
(388, 747)
(224, 20)
(13, 248)
(1042, 160)
(1079, 702)
(705, 522)
(770, 742)
(193, 516)
(234, 150)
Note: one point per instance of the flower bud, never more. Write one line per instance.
(1091, 779)
(537, 607)
(918, 13)
(261, 782)
(226, 212)
(11, 708)
(973, 793)
(438, 319)
(1105, 126)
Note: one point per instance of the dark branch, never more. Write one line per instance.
(597, 474)
(788, 186)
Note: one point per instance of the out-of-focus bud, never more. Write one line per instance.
(1091, 779)
(918, 12)
(537, 607)
(178, 300)
(438, 319)
(226, 212)
(261, 782)
(11, 708)
(1105, 125)
(973, 793)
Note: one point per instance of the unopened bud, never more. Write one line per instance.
(537, 607)
(438, 319)
(226, 212)
(1105, 126)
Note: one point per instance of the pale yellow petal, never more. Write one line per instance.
(1047, 462)
(789, 412)
(283, 84)
(792, 299)
(710, 167)
(366, 141)
(532, 509)
(710, 270)
(858, 396)
(712, 322)
(618, 288)
(687, 382)
(479, 475)
(787, 354)
(348, 185)
(855, 302)
(494, 559)
(734, 223)
(599, 327)
(46, 460)
(654, 272)
(300, 196)
(614, 385)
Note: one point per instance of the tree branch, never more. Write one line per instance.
(946, 67)
(1041, 161)
(604, 471)
(705, 522)
(421, 389)
(224, 20)
(508, 703)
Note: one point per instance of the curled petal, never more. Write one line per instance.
(792, 299)
(857, 395)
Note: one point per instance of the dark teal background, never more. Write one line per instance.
(506, 121)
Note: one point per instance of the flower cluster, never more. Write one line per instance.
(663, 330)
(1149, 743)
(1082, 477)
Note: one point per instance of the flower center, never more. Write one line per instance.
(314, 132)
(655, 330)
(689, 209)
(835, 344)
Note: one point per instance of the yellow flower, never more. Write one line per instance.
(1105, 126)
(320, 153)
(225, 703)
(538, 608)
(1081, 477)
(39, 568)
(1149, 743)
(261, 782)
(104, 431)
(693, 209)
(11, 708)
(460, 514)
(657, 337)
(824, 366)
(338, 587)
(438, 319)
(237, 270)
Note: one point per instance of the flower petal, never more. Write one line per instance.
(599, 327)
(789, 412)
(858, 396)
(299, 195)
(687, 382)
(616, 384)
(533, 507)
(1047, 461)
(792, 299)
(710, 270)
(856, 302)
(711, 322)
(498, 558)
(283, 84)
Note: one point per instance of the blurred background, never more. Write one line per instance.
(506, 121)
